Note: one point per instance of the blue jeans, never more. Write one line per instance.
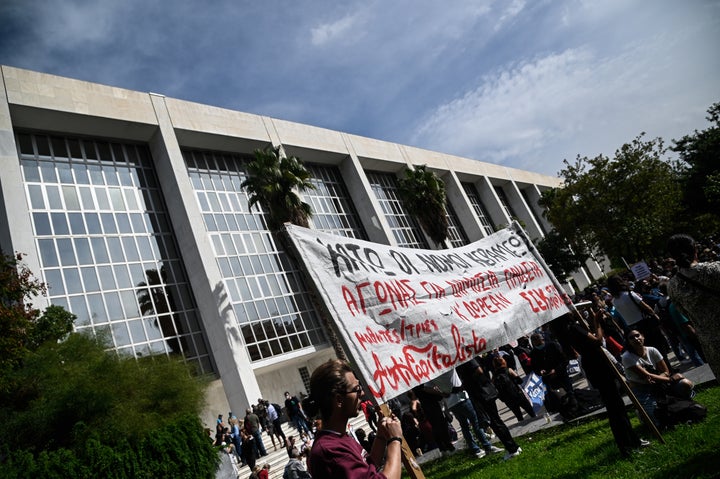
(301, 424)
(465, 413)
(646, 396)
(260, 447)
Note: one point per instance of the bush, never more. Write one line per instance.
(180, 449)
(77, 410)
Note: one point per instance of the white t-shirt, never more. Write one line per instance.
(630, 359)
(627, 308)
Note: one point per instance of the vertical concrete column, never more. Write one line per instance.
(533, 194)
(491, 202)
(218, 317)
(16, 231)
(523, 211)
(593, 268)
(581, 279)
(367, 206)
(461, 204)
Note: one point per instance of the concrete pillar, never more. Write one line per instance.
(219, 321)
(367, 206)
(461, 204)
(16, 231)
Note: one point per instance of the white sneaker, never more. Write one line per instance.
(510, 455)
(494, 450)
(480, 454)
(644, 443)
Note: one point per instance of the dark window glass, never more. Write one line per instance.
(84, 253)
(47, 252)
(93, 223)
(77, 226)
(66, 252)
(42, 224)
(90, 279)
(72, 280)
(100, 250)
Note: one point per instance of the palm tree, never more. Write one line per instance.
(272, 181)
(154, 299)
(423, 195)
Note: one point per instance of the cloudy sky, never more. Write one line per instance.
(520, 83)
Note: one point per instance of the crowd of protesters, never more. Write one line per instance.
(624, 324)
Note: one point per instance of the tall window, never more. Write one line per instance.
(504, 202)
(333, 211)
(266, 291)
(107, 251)
(404, 228)
(456, 234)
(305, 376)
(479, 208)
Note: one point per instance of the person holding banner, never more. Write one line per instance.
(603, 377)
(336, 395)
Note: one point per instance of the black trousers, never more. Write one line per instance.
(606, 382)
(488, 408)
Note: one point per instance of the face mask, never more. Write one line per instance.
(539, 347)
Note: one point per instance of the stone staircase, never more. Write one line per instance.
(278, 458)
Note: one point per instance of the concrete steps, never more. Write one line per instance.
(278, 458)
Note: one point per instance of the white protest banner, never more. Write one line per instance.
(408, 315)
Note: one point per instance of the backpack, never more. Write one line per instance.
(506, 387)
(671, 411)
(278, 409)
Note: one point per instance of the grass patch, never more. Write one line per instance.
(587, 450)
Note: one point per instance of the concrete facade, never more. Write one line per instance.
(36, 108)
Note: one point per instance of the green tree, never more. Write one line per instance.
(23, 328)
(423, 195)
(625, 206)
(69, 407)
(78, 401)
(558, 255)
(700, 173)
(272, 181)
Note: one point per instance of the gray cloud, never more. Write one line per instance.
(520, 83)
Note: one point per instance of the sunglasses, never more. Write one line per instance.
(357, 389)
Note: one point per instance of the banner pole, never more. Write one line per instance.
(641, 411)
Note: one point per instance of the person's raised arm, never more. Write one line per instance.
(388, 446)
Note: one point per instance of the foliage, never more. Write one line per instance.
(178, 449)
(423, 195)
(272, 181)
(81, 409)
(561, 259)
(24, 328)
(587, 450)
(700, 174)
(625, 207)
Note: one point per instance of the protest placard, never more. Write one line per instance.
(406, 315)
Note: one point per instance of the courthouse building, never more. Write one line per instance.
(128, 205)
